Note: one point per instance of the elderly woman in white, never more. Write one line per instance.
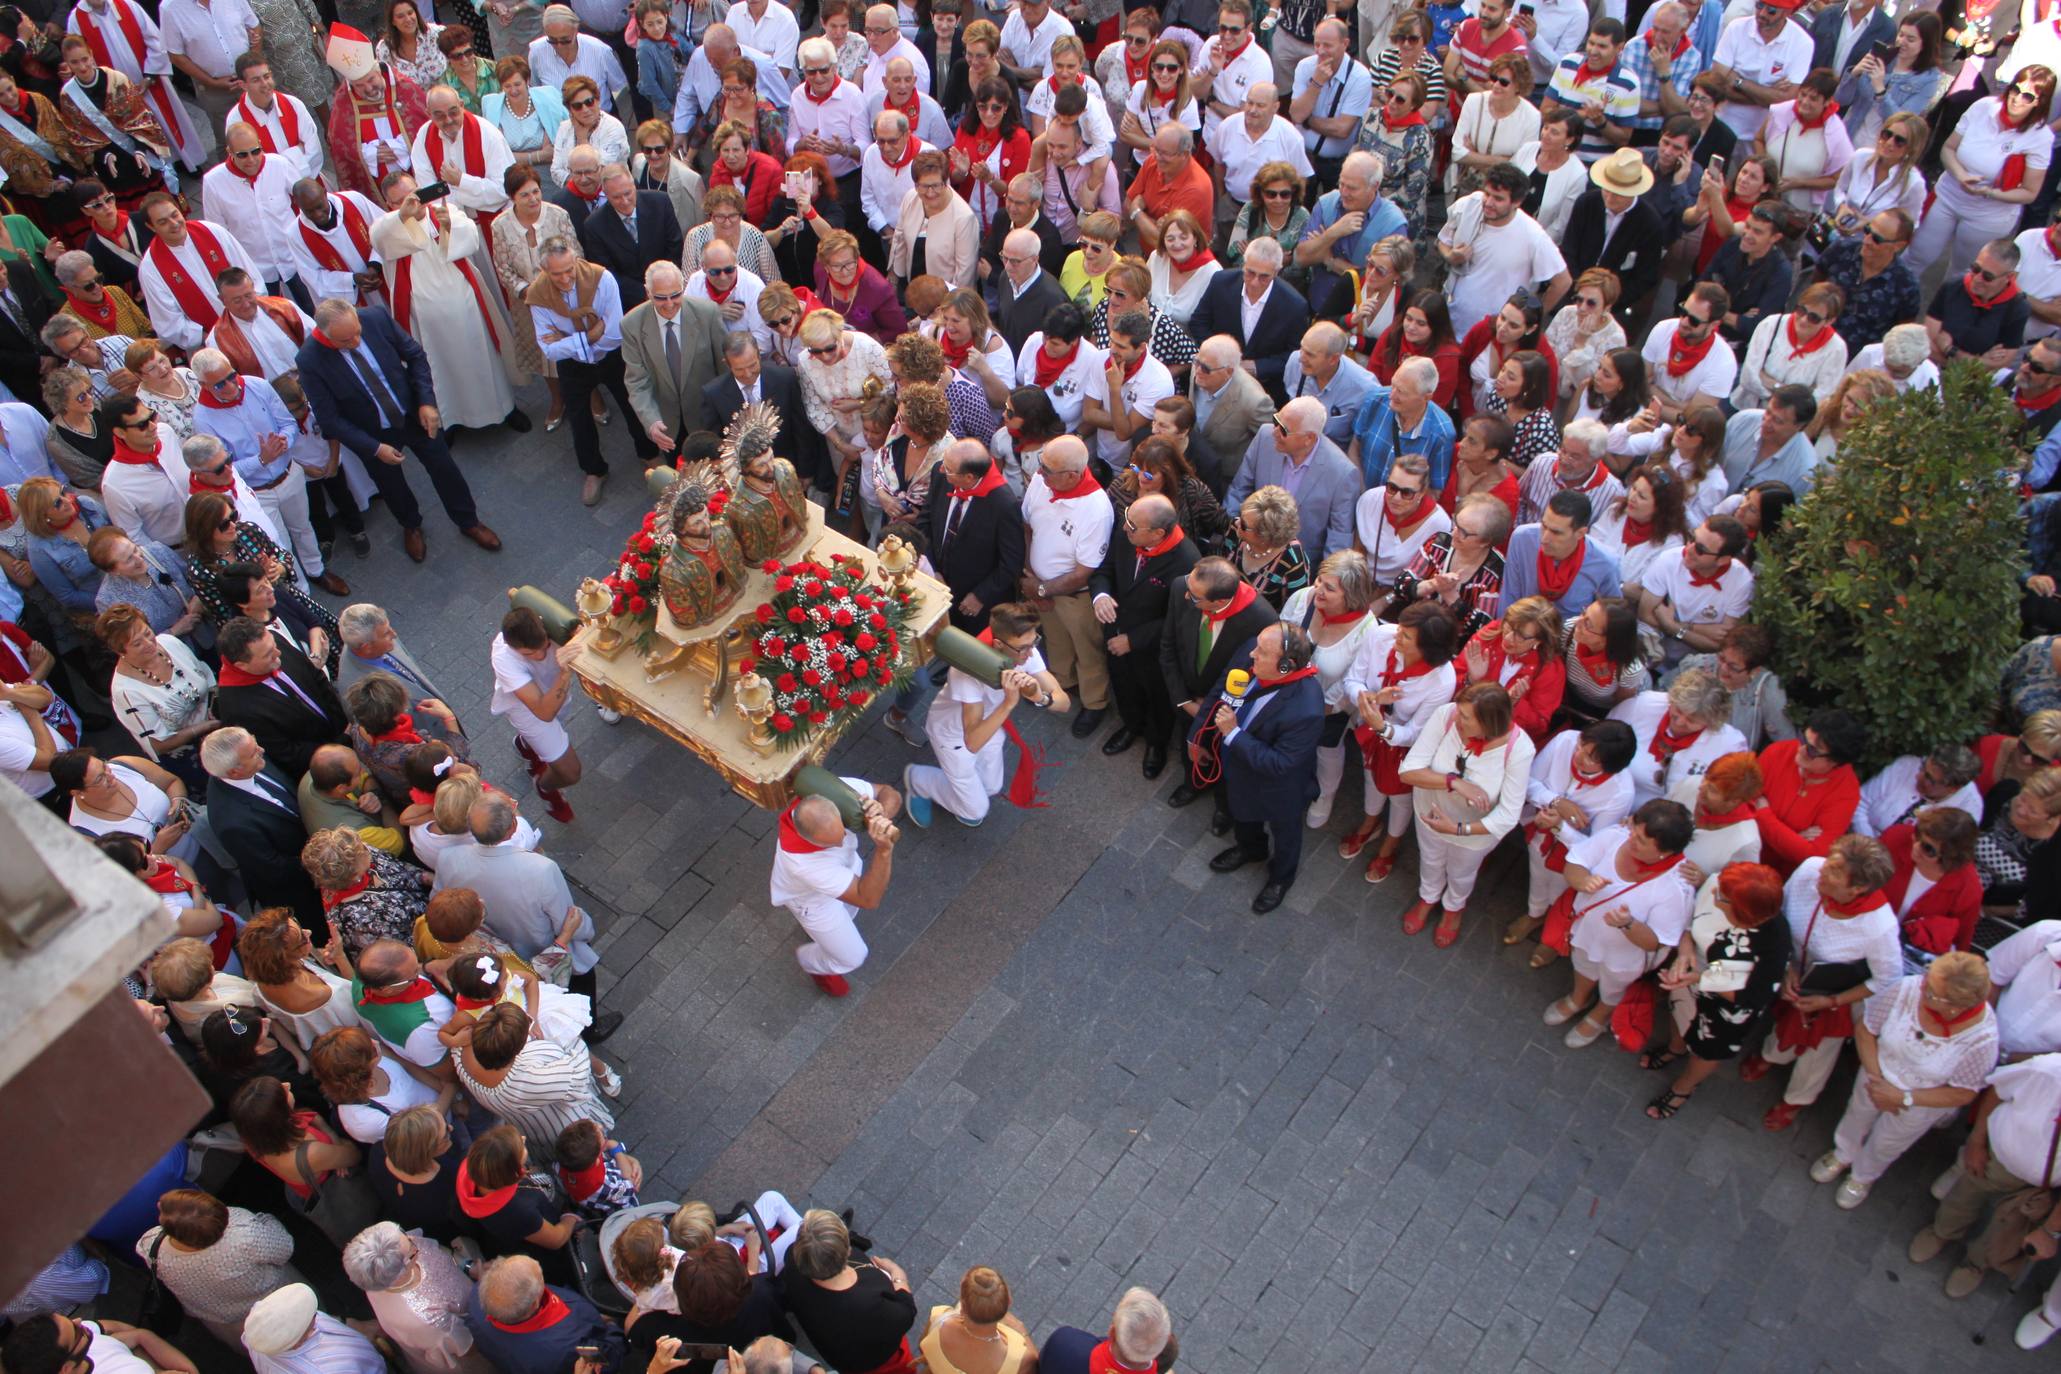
(1927, 1045)
(836, 363)
(1337, 611)
(1681, 732)
(1630, 908)
(418, 1294)
(1467, 773)
(1578, 788)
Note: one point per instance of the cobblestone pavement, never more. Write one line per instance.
(1076, 1054)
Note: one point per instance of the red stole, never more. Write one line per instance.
(1195, 260)
(404, 288)
(368, 121)
(475, 155)
(289, 121)
(1556, 576)
(193, 298)
(228, 336)
(132, 33)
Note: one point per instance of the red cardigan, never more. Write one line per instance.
(1476, 343)
(1792, 808)
(1534, 710)
(1990, 749)
(760, 185)
(1945, 917)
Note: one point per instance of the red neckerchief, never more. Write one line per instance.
(102, 314)
(595, 196)
(1959, 1018)
(209, 399)
(791, 838)
(1715, 581)
(1424, 510)
(166, 880)
(475, 1203)
(708, 286)
(824, 99)
(1681, 44)
(1831, 108)
(232, 676)
(1172, 541)
(1801, 347)
(251, 177)
(1193, 261)
(955, 353)
(1414, 119)
(1268, 684)
(1393, 671)
(1666, 743)
(1086, 486)
(21, 111)
(2032, 403)
(1556, 576)
(908, 152)
(421, 990)
(196, 484)
(1654, 870)
(1134, 72)
(1240, 599)
(550, 1312)
(289, 122)
(1159, 97)
(1683, 358)
(66, 523)
(1871, 901)
(332, 900)
(1079, 79)
(1475, 747)
(2010, 292)
(403, 731)
(914, 109)
(464, 1003)
(1636, 532)
(1132, 369)
(990, 483)
(136, 457)
(1102, 1360)
(1717, 820)
(327, 342)
(1577, 778)
(1597, 476)
(1239, 51)
(1049, 368)
(581, 1184)
(1584, 74)
(2053, 242)
(1346, 619)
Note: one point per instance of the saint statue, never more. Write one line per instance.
(703, 571)
(769, 510)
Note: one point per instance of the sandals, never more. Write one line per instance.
(1522, 929)
(1661, 1059)
(1543, 955)
(1416, 918)
(1378, 869)
(1352, 844)
(1448, 933)
(1667, 1104)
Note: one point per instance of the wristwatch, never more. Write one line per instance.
(1908, 1103)
(1041, 591)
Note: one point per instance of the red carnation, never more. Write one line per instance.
(643, 568)
(771, 565)
(783, 584)
(797, 615)
(833, 699)
(812, 588)
(859, 698)
(877, 621)
(798, 651)
(649, 520)
(860, 667)
(782, 722)
(812, 677)
(622, 603)
(865, 602)
(818, 717)
(865, 640)
(637, 605)
(787, 683)
(763, 614)
(841, 616)
(645, 544)
(746, 665)
(773, 646)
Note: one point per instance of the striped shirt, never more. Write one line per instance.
(1617, 92)
(545, 1091)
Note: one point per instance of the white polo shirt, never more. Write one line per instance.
(812, 884)
(776, 32)
(1085, 376)
(18, 752)
(1663, 904)
(1064, 533)
(2021, 1129)
(1242, 155)
(1741, 48)
(1150, 385)
(2028, 968)
(2039, 276)
(211, 36)
(1248, 69)
(1730, 599)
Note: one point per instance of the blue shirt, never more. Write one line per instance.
(1377, 430)
(22, 432)
(1342, 396)
(2046, 461)
(242, 429)
(575, 347)
(1383, 219)
(1796, 462)
(1596, 578)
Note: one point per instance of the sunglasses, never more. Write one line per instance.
(1813, 316)
(1173, 67)
(669, 296)
(1891, 136)
(225, 524)
(773, 322)
(655, 149)
(1505, 82)
(1279, 193)
(1874, 237)
(2034, 366)
(1690, 321)
(816, 71)
(2025, 92)
(996, 105)
(1231, 29)
(1592, 302)
(248, 152)
(829, 352)
(97, 202)
(1398, 98)
(1706, 550)
(1406, 493)
(1814, 751)
(1928, 849)
(720, 271)
(564, 42)
(1138, 40)
(1983, 272)
(2025, 751)
(586, 103)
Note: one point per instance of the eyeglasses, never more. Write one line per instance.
(584, 103)
(223, 382)
(1813, 750)
(248, 152)
(996, 105)
(97, 202)
(2035, 366)
(771, 321)
(929, 188)
(872, 32)
(81, 398)
(1592, 302)
(2025, 752)
(1398, 97)
(1233, 30)
(1278, 193)
(147, 422)
(720, 271)
(1138, 40)
(655, 149)
(565, 42)
(1174, 67)
(1465, 533)
(817, 71)
(461, 56)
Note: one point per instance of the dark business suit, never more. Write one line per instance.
(266, 840)
(282, 723)
(577, 207)
(1633, 252)
(1143, 592)
(20, 341)
(984, 553)
(1270, 766)
(348, 412)
(723, 398)
(1020, 317)
(607, 241)
(1824, 30)
(1181, 639)
(1051, 252)
(1282, 321)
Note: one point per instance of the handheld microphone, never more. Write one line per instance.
(1237, 683)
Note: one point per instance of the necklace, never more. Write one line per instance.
(967, 1324)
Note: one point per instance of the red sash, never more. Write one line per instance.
(289, 122)
(192, 298)
(404, 281)
(475, 163)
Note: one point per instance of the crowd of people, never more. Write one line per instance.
(1313, 387)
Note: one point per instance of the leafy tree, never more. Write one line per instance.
(1892, 588)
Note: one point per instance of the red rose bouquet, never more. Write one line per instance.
(829, 642)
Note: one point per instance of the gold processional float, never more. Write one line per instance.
(738, 625)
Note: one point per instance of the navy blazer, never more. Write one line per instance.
(723, 398)
(1270, 767)
(1142, 593)
(266, 841)
(342, 406)
(1824, 30)
(608, 243)
(1281, 324)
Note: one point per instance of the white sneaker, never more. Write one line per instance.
(609, 717)
(1827, 1167)
(1852, 1193)
(2033, 1330)
(1320, 812)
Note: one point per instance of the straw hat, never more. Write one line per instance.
(1623, 173)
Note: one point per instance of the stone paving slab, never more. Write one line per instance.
(1074, 1053)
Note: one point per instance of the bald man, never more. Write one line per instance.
(1293, 454)
(252, 191)
(819, 877)
(1131, 592)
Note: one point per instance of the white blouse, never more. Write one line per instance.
(154, 714)
(1503, 771)
(1819, 937)
(1646, 713)
(1421, 698)
(1913, 1058)
(1389, 553)
(608, 139)
(1904, 189)
(1333, 660)
(1662, 903)
(1771, 352)
(1479, 130)
(1552, 779)
(1608, 532)
(1152, 115)
(1179, 304)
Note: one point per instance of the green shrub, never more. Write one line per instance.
(1892, 588)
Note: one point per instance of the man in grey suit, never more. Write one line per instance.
(1231, 406)
(672, 348)
(371, 646)
(1293, 454)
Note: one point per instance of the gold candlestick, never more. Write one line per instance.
(755, 705)
(897, 560)
(595, 602)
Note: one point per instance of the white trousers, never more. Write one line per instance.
(1813, 1067)
(287, 504)
(776, 1213)
(1544, 886)
(1870, 1139)
(1956, 227)
(963, 781)
(835, 945)
(1611, 983)
(1446, 871)
(1331, 772)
